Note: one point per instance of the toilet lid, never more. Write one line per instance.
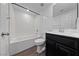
(39, 40)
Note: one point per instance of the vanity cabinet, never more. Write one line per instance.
(60, 45)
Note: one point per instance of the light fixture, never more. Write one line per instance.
(27, 10)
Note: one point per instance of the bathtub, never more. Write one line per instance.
(21, 43)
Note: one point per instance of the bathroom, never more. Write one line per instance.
(26, 28)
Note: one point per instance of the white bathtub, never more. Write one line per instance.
(19, 44)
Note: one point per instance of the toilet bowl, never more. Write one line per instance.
(39, 41)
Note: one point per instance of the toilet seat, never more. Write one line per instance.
(39, 41)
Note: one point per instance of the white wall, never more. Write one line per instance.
(46, 19)
(47, 11)
(24, 23)
(21, 23)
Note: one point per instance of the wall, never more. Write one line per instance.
(46, 19)
(21, 23)
(47, 11)
(24, 24)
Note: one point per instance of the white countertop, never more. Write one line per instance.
(69, 33)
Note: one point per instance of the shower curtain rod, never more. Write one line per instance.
(25, 8)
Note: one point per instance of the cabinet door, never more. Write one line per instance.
(64, 50)
(50, 48)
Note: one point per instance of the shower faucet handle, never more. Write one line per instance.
(3, 34)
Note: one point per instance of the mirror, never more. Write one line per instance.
(65, 15)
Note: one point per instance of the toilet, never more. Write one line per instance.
(40, 45)
(39, 41)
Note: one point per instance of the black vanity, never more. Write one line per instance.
(61, 45)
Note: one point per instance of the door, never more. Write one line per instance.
(4, 29)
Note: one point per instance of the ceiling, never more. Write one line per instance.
(36, 7)
(60, 8)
